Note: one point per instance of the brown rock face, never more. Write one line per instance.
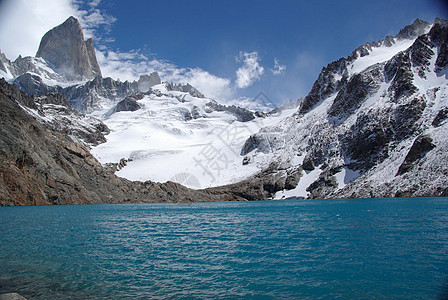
(64, 48)
(92, 57)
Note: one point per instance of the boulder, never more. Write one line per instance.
(11, 296)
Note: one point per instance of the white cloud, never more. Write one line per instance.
(24, 22)
(95, 22)
(251, 103)
(94, 3)
(212, 86)
(130, 65)
(278, 68)
(251, 70)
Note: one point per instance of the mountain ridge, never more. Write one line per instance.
(360, 120)
(372, 124)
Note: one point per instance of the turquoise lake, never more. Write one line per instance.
(309, 249)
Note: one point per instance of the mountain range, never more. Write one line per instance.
(373, 125)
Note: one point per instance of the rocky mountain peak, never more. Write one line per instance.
(65, 49)
(145, 82)
(414, 30)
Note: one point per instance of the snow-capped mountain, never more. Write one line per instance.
(373, 125)
(159, 132)
(63, 58)
(65, 63)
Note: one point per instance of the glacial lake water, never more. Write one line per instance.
(310, 249)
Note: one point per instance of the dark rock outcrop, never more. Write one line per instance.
(242, 114)
(92, 57)
(326, 84)
(196, 113)
(358, 88)
(398, 70)
(323, 185)
(129, 103)
(293, 178)
(421, 52)
(439, 36)
(255, 141)
(186, 88)
(422, 145)
(64, 48)
(33, 85)
(308, 164)
(441, 116)
(3, 62)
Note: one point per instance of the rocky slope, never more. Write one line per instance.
(374, 123)
(54, 111)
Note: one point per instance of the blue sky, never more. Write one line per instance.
(230, 49)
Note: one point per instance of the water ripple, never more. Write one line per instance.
(361, 248)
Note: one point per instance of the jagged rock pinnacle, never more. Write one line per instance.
(64, 48)
(145, 82)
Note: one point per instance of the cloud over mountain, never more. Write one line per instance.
(251, 70)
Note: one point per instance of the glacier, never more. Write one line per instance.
(175, 136)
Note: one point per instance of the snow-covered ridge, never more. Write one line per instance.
(36, 66)
(382, 51)
(54, 111)
(378, 55)
(371, 125)
(175, 136)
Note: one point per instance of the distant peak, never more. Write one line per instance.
(414, 30)
(419, 22)
(64, 48)
(71, 20)
(70, 24)
(441, 21)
